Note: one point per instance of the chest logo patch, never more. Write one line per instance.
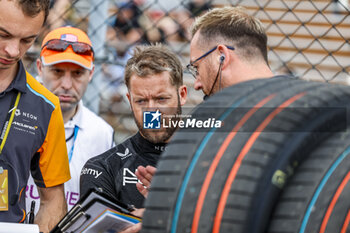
(129, 177)
(125, 155)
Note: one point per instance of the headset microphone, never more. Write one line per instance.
(221, 58)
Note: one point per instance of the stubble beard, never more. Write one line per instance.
(162, 135)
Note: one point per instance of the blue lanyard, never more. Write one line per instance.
(70, 154)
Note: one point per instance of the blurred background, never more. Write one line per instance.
(309, 39)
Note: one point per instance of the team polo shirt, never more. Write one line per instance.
(36, 142)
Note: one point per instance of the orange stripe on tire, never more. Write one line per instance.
(244, 152)
(217, 158)
(333, 202)
(346, 223)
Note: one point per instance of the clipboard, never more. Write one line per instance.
(97, 212)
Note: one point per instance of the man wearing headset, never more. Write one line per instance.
(237, 52)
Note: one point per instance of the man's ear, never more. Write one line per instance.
(224, 56)
(92, 73)
(39, 67)
(129, 97)
(183, 94)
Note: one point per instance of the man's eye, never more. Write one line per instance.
(195, 68)
(77, 73)
(161, 99)
(140, 101)
(27, 41)
(4, 36)
(57, 71)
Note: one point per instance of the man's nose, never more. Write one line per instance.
(198, 85)
(66, 81)
(12, 49)
(152, 104)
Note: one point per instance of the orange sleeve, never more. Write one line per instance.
(53, 162)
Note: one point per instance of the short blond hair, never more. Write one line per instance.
(233, 24)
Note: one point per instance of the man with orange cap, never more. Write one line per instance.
(66, 68)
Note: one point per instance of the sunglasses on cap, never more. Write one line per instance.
(61, 45)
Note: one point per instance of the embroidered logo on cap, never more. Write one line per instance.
(69, 37)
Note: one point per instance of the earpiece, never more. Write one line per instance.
(222, 58)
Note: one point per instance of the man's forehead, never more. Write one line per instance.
(66, 65)
(153, 83)
(194, 47)
(17, 23)
(162, 76)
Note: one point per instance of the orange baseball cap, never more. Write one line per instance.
(70, 34)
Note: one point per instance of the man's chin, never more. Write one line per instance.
(156, 136)
(65, 106)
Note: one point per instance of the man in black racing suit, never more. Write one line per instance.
(154, 80)
(114, 171)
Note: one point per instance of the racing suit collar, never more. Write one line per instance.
(146, 146)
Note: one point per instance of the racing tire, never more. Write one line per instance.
(317, 197)
(228, 179)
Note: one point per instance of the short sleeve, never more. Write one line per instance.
(51, 166)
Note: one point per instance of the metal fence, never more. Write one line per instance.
(309, 39)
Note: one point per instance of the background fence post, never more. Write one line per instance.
(97, 32)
